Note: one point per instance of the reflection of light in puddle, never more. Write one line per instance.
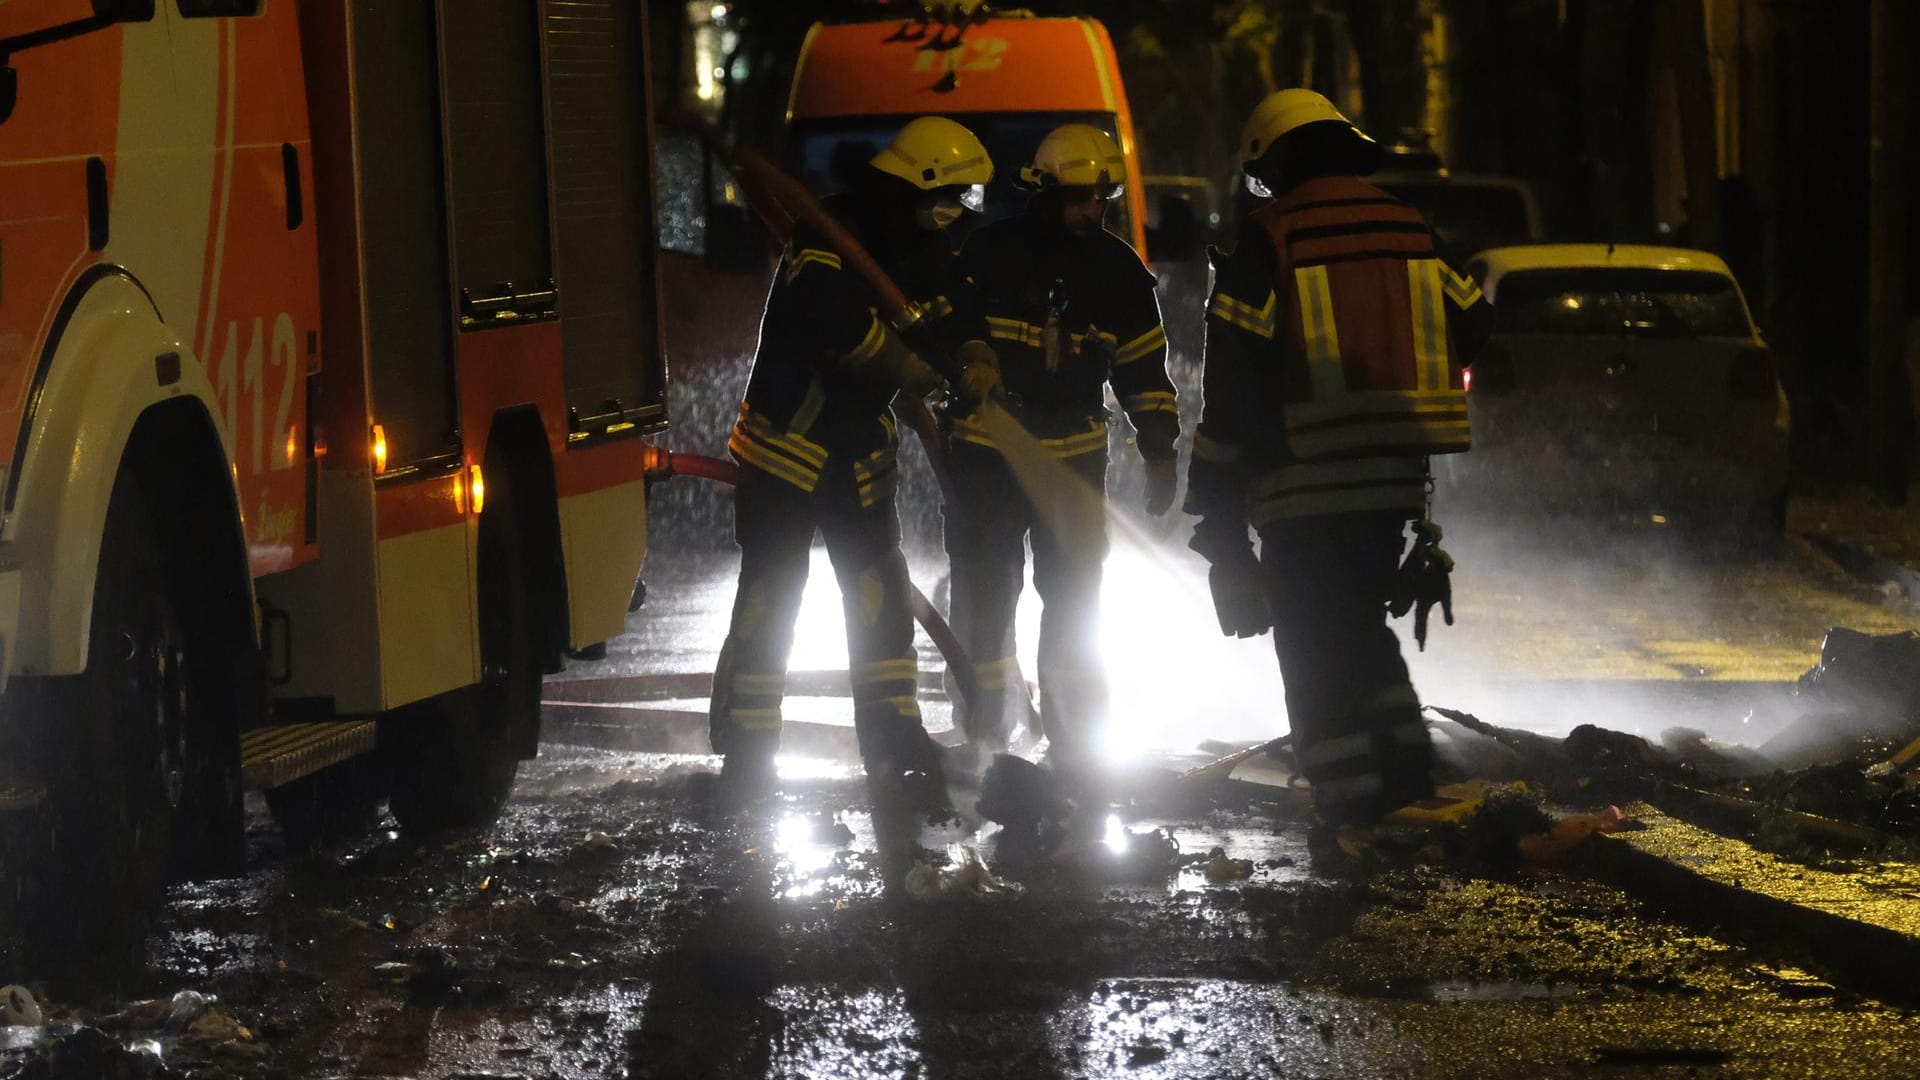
(1116, 837)
(794, 840)
(795, 767)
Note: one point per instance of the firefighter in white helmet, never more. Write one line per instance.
(1070, 309)
(816, 442)
(1336, 339)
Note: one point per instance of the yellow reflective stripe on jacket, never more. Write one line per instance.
(876, 476)
(1380, 422)
(1141, 347)
(790, 457)
(1461, 290)
(1152, 401)
(806, 257)
(1022, 332)
(1255, 320)
(1307, 489)
(1427, 288)
(1321, 336)
(870, 345)
(749, 452)
(1015, 330)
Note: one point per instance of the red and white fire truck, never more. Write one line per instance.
(329, 337)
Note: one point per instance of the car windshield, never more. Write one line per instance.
(1466, 217)
(1655, 303)
(821, 152)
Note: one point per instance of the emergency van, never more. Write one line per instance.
(1009, 77)
(329, 334)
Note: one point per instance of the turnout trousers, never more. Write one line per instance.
(774, 524)
(989, 523)
(1357, 729)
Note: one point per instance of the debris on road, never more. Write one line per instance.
(1569, 833)
(965, 877)
(1221, 870)
(185, 1009)
(19, 1009)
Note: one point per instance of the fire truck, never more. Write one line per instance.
(329, 346)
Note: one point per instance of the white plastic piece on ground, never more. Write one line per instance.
(18, 1009)
(966, 877)
(186, 1007)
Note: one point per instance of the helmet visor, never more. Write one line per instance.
(973, 197)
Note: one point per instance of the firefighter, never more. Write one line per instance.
(1335, 343)
(816, 441)
(1070, 308)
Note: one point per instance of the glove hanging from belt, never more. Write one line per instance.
(1424, 579)
(1233, 576)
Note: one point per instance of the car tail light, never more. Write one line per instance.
(1752, 377)
(1490, 373)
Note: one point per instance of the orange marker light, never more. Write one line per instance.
(476, 487)
(293, 445)
(379, 449)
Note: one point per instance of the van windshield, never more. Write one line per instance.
(822, 151)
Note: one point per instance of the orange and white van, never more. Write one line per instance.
(328, 333)
(1011, 78)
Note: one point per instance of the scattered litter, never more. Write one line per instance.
(1220, 870)
(1570, 832)
(184, 1009)
(216, 1026)
(966, 877)
(91, 1054)
(18, 1009)
(397, 972)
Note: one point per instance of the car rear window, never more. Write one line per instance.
(1654, 303)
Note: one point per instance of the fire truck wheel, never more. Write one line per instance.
(454, 762)
(118, 738)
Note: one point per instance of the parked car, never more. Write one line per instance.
(1624, 380)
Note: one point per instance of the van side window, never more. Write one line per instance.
(216, 9)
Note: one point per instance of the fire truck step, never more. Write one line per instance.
(283, 753)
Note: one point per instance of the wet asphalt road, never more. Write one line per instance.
(629, 917)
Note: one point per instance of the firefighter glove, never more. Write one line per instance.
(1423, 581)
(980, 373)
(1163, 479)
(901, 366)
(1239, 591)
(1240, 596)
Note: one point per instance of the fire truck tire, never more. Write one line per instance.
(454, 765)
(117, 736)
